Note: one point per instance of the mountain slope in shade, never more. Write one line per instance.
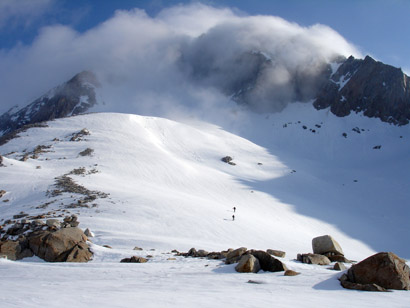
(74, 97)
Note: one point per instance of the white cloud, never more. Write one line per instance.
(22, 11)
(146, 64)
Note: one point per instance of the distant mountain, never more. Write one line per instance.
(345, 86)
(73, 97)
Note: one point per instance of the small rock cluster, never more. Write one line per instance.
(35, 154)
(228, 160)
(249, 261)
(79, 136)
(53, 241)
(325, 250)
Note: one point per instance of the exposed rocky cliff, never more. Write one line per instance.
(71, 98)
(368, 86)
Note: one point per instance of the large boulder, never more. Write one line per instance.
(67, 244)
(384, 269)
(267, 262)
(326, 244)
(248, 264)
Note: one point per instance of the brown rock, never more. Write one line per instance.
(360, 287)
(2, 193)
(339, 266)
(338, 258)
(215, 256)
(310, 258)
(291, 273)
(325, 244)
(201, 253)
(80, 253)
(15, 250)
(267, 262)
(68, 244)
(134, 259)
(276, 253)
(235, 255)
(192, 252)
(385, 269)
(248, 264)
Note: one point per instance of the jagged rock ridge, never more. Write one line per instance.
(71, 98)
(368, 86)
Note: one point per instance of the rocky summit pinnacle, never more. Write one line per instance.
(73, 97)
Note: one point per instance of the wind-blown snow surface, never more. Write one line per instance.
(168, 189)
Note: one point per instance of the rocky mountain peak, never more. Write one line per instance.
(369, 86)
(73, 97)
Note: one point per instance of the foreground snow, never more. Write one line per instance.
(168, 189)
(181, 283)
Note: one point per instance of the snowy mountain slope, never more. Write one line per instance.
(167, 184)
(168, 189)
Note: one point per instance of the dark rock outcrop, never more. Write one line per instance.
(71, 98)
(374, 88)
(267, 262)
(384, 270)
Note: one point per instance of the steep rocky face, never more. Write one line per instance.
(376, 89)
(71, 98)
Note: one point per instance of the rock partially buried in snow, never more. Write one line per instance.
(248, 264)
(384, 269)
(326, 244)
(134, 259)
(311, 258)
(291, 273)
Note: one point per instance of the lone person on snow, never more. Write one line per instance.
(234, 209)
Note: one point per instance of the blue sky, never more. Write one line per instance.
(139, 44)
(376, 27)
